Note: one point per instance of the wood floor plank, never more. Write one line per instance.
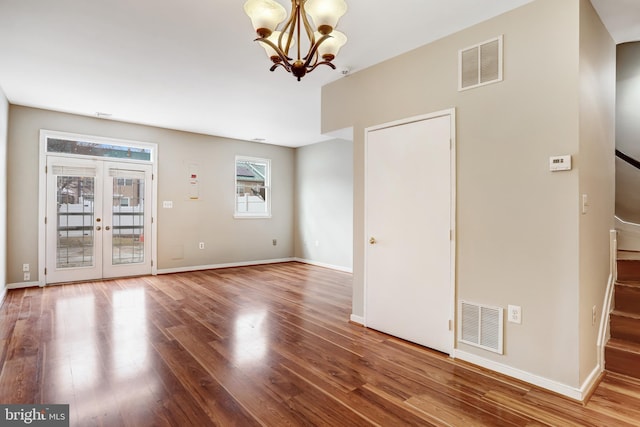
(242, 388)
(19, 381)
(218, 404)
(457, 413)
(314, 405)
(369, 405)
(266, 345)
(534, 410)
(586, 415)
(394, 400)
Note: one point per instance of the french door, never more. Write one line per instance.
(98, 220)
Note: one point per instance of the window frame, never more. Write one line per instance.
(267, 188)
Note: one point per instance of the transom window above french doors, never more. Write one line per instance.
(73, 145)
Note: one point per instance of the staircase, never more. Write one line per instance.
(622, 352)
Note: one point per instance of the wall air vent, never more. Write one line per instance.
(481, 326)
(480, 65)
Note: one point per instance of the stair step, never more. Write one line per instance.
(628, 269)
(627, 298)
(630, 283)
(625, 326)
(623, 357)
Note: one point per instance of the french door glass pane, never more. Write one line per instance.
(75, 221)
(128, 220)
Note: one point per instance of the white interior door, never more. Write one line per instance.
(408, 284)
(98, 219)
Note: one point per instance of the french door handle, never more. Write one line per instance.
(98, 228)
(107, 228)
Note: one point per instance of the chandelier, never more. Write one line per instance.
(321, 44)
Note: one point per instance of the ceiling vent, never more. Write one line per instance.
(480, 64)
(481, 326)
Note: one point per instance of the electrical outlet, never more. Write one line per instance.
(593, 315)
(27, 277)
(274, 242)
(25, 267)
(515, 314)
(201, 245)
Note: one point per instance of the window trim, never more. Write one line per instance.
(267, 186)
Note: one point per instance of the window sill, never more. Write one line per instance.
(251, 216)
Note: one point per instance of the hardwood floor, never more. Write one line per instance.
(266, 345)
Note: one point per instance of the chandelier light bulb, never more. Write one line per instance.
(265, 15)
(325, 13)
(328, 49)
(271, 52)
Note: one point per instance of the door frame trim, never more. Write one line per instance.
(451, 112)
(42, 188)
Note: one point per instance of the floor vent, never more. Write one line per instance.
(480, 65)
(481, 326)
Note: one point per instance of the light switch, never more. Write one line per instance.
(514, 314)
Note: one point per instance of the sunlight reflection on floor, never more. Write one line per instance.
(250, 340)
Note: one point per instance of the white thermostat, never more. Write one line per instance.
(559, 163)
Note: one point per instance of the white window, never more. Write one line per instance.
(253, 199)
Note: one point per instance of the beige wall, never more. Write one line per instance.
(209, 219)
(324, 201)
(4, 120)
(519, 235)
(596, 170)
(628, 97)
(627, 131)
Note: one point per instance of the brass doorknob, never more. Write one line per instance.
(372, 241)
(107, 228)
(98, 228)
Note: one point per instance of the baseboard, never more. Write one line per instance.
(3, 295)
(218, 266)
(322, 264)
(574, 393)
(592, 381)
(357, 319)
(21, 285)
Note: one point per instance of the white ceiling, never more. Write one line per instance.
(192, 65)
